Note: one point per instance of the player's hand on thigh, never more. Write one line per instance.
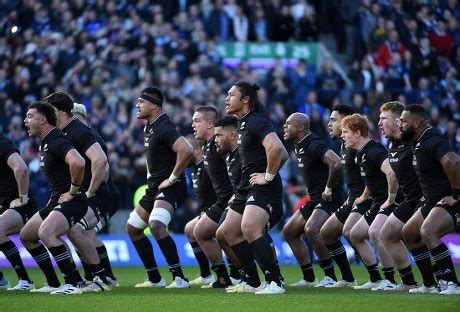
(448, 200)
(165, 184)
(16, 203)
(65, 197)
(258, 179)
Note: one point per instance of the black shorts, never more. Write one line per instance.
(405, 210)
(363, 207)
(26, 211)
(175, 195)
(427, 205)
(375, 210)
(214, 213)
(267, 197)
(328, 206)
(115, 204)
(223, 216)
(101, 204)
(453, 211)
(344, 211)
(73, 210)
(307, 209)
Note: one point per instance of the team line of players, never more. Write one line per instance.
(402, 198)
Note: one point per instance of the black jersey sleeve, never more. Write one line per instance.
(318, 149)
(439, 148)
(377, 156)
(6, 148)
(85, 139)
(260, 128)
(60, 146)
(169, 136)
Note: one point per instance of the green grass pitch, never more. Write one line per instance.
(128, 299)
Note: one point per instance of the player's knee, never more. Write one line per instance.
(158, 229)
(326, 234)
(312, 232)
(374, 234)
(389, 235)
(45, 233)
(288, 234)
(428, 234)
(220, 236)
(410, 234)
(136, 221)
(355, 236)
(200, 233)
(188, 230)
(251, 231)
(346, 232)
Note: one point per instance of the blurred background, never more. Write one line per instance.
(307, 56)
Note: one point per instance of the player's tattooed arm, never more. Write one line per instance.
(451, 164)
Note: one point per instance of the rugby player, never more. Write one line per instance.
(168, 154)
(321, 170)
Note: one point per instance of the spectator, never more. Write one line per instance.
(386, 50)
(240, 25)
(307, 26)
(283, 25)
(441, 40)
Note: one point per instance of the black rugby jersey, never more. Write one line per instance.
(233, 162)
(400, 157)
(8, 184)
(82, 139)
(428, 151)
(310, 152)
(355, 182)
(369, 160)
(202, 186)
(53, 150)
(159, 137)
(252, 130)
(217, 170)
(112, 187)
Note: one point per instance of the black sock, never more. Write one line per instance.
(234, 272)
(272, 245)
(145, 251)
(105, 261)
(243, 274)
(308, 273)
(11, 252)
(86, 268)
(169, 250)
(99, 271)
(407, 276)
(43, 260)
(244, 253)
(222, 275)
(441, 255)
(339, 255)
(389, 274)
(263, 251)
(437, 272)
(421, 257)
(202, 260)
(1, 275)
(62, 258)
(328, 267)
(374, 274)
(78, 277)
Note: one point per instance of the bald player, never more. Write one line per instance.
(321, 170)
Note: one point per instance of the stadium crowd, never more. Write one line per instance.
(105, 52)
